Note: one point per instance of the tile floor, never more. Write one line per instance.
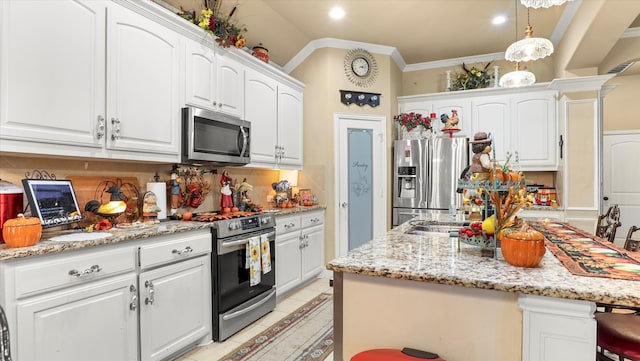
(284, 306)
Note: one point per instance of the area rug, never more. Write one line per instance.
(584, 254)
(304, 335)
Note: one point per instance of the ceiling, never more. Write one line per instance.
(420, 30)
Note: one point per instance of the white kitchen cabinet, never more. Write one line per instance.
(143, 112)
(275, 112)
(52, 83)
(104, 303)
(491, 114)
(290, 126)
(229, 86)
(90, 322)
(447, 106)
(299, 249)
(90, 88)
(535, 132)
(174, 311)
(200, 75)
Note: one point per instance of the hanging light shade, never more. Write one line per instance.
(517, 78)
(536, 4)
(529, 48)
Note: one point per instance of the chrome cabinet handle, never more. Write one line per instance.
(290, 225)
(281, 152)
(134, 298)
(93, 269)
(186, 250)
(314, 220)
(100, 127)
(276, 154)
(301, 244)
(150, 299)
(115, 134)
(306, 240)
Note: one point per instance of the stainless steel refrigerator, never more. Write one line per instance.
(425, 175)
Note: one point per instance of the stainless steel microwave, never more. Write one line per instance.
(214, 138)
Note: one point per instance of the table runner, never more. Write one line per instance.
(584, 254)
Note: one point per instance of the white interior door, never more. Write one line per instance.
(360, 180)
(620, 178)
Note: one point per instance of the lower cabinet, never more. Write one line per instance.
(139, 300)
(90, 322)
(299, 249)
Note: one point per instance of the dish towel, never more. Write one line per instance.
(265, 254)
(253, 260)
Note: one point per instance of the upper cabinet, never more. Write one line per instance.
(274, 109)
(521, 121)
(90, 88)
(213, 80)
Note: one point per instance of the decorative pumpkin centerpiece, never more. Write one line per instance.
(521, 245)
(22, 231)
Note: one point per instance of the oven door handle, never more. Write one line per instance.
(243, 241)
(250, 308)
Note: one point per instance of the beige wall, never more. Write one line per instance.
(323, 74)
(621, 111)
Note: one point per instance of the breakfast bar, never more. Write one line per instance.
(429, 292)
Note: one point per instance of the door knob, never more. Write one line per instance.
(606, 198)
(344, 204)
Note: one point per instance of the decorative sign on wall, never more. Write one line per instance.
(348, 97)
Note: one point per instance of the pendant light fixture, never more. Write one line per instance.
(542, 3)
(517, 78)
(529, 48)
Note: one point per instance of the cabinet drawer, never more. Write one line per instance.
(175, 248)
(286, 224)
(312, 219)
(65, 270)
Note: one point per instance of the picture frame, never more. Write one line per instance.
(53, 201)
(305, 195)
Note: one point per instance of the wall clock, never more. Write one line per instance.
(360, 67)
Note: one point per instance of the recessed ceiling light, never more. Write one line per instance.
(336, 13)
(500, 19)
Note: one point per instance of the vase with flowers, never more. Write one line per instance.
(412, 125)
(222, 26)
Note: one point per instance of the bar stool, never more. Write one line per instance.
(388, 354)
(631, 244)
(608, 223)
(618, 333)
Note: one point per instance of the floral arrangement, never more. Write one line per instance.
(226, 31)
(473, 78)
(508, 204)
(412, 120)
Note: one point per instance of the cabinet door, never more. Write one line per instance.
(175, 307)
(52, 81)
(313, 251)
(288, 261)
(143, 112)
(97, 321)
(491, 115)
(200, 75)
(290, 126)
(261, 99)
(230, 86)
(535, 130)
(462, 106)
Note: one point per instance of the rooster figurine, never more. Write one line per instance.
(450, 123)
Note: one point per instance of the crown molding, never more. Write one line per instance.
(454, 62)
(579, 84)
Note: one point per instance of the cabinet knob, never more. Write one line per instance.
(605, 198)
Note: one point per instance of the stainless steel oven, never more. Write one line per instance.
(214, 138)
(237, 303)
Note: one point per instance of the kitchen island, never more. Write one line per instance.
(425, 291)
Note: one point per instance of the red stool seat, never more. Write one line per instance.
(387, 354)
(619, 333)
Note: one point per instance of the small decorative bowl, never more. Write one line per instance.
(22, 231)
(522, 252)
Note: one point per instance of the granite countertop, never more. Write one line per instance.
(117, 235)
(435, 258)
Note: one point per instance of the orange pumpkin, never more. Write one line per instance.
(522, 248)
(22, 231)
